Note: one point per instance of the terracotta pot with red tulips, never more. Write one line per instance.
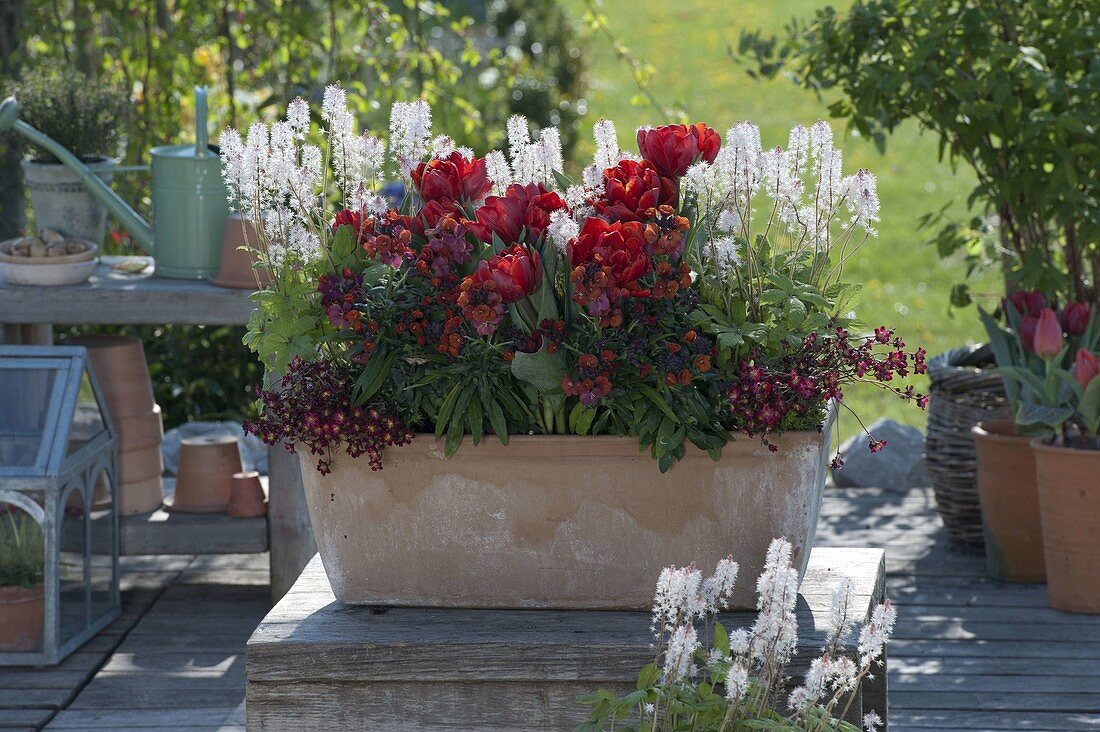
(553, 371)
(1060, 395)
(1007, 487)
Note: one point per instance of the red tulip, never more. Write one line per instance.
(618, 247)
(1075, 318)
(673, 148)
(516, 272)
(633, 187)
(1048, 335)
(521, 207)
(347, 217)
(1086, 367)
(1028, 325)
(1027, 302)
(453, 178)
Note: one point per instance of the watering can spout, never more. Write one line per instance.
(138, 228)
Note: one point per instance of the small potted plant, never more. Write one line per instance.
(1065, 402)
(21, 571)
(1006, 463)
(84, 116)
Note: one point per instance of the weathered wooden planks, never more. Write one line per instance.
(316, 663)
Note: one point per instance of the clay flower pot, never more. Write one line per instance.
(122, 373)
(236, 266)
(1069, 499)
(1010, 503)
(556, 521)
(246, 496)
(21, 618)
(144, 463)
(143, 496)
(140, 430)
(205, 475)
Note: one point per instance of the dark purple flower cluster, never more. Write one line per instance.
(339, 296)
(768, 396)
(312, 405)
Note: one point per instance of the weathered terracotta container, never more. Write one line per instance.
(235, 268)
(556, 521)
(1010, 503)
(246, 496)
(205, 474)
(1069, 499)
(22, 617)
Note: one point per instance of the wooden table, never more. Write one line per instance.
(314, 663)
(113, 297)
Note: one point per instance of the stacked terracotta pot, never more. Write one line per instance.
(123, 376)
(210, 479)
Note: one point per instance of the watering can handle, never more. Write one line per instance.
(202, 136)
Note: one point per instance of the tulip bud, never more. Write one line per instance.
(1048, 335)
(1028, 326)
(1075, 318)
(1086, 367)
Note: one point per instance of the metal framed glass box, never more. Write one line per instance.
(58, 505)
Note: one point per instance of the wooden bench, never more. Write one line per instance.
(314, 663)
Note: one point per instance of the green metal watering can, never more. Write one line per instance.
(190, 200)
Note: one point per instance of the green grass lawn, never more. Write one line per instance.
(905, 284)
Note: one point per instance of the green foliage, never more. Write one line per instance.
(1011, 91)
(21, 548)
(84, 115)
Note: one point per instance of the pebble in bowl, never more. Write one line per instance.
(50, 259)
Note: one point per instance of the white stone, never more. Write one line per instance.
(899, 464)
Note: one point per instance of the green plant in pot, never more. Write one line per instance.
(21, 572)
(85, 117)
(1063, 403)
(1006, 463)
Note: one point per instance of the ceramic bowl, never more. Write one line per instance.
(46, 275)
(85, 256)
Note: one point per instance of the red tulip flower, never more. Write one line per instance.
(619, 247)
(1028, 325)
(347, 217)
(1075, 318)
(453, 178)
(633, 187)
(1048, 335)
(673, 148)
(521, 207)
(1086, 367)
(1027, 302)
(516, 272)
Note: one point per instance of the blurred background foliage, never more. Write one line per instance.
(476, 62)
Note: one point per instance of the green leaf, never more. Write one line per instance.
(475, 419)
(372, 377)
(497, 421)
(721, 639)
(648, 676)
(651, 394)
(542, 369)
(445, 410)
(1030, 412)
(1090, 407)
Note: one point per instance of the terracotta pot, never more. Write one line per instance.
(556, 521)
(140, 430)
(1010, 503)
(144, 496)
(21, 618)
(121, 371)
(246, 496)
(236, 267)
(205, 474)
(141, 464)
(1069, 500)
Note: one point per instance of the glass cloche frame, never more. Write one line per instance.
(58, 505)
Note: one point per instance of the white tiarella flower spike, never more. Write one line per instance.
(718, 588)
(442, 146)
(682, 645)
(871, 721)
(499, 172)
(608, 153)
(562, 230)
(875, 634)
(410, 131)
(861, 196)
(737, 683)
(841, 614)
(678, 598)
(297, 115)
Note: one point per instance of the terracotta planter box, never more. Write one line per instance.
(1069, 499)
(1010, 503)
(556, 521)
(21, 618)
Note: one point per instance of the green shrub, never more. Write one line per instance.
(83, 115)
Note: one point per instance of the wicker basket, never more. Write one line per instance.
(962, 394)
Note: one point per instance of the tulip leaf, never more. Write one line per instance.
(541, 369)
(1090, 407)
(1030, 412)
